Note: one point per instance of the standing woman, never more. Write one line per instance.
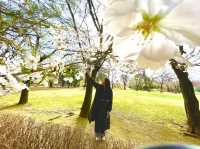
(102, 105)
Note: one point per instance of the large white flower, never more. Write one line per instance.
(149, 30)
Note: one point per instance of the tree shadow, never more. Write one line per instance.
(10, 107)
(81, 123)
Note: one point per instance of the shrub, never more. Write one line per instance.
(18, 132)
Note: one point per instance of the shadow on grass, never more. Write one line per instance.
(14, 106)
(81, 122)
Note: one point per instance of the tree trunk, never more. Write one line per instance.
(88, 95)
(50, 84)
(190, 101)
(63, 83)
(24, 94)
(124, 86)
(161, 87)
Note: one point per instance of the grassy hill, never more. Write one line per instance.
(144, 118)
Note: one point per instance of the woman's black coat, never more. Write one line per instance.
(102, 104)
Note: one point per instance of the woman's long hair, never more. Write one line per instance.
(107, 83)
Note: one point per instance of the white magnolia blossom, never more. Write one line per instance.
(149, 30)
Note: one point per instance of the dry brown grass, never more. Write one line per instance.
(19, 132)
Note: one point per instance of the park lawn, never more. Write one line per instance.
(145, 118)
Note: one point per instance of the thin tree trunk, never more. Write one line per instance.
(161, 87)
(88, 95)
(50, 84)
(124, 86)
(24, 94)
(190, 100)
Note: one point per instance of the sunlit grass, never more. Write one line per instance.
(145, 117)
(150, 105)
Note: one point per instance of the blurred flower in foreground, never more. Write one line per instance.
(149, 30)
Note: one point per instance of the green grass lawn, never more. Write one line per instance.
(143, 117)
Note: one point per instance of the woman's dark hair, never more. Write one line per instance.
(107, 83)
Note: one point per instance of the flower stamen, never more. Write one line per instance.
(149, 24)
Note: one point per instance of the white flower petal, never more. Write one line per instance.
(147, 63)
(120, 7)
(157, 52)
(118, 16)
(124, 48)
(142, 6)
(162, 7)
(182, 34)
(184, 23)
(117, 25)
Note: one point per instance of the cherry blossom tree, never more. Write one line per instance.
(93, 46)
(23, 25)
